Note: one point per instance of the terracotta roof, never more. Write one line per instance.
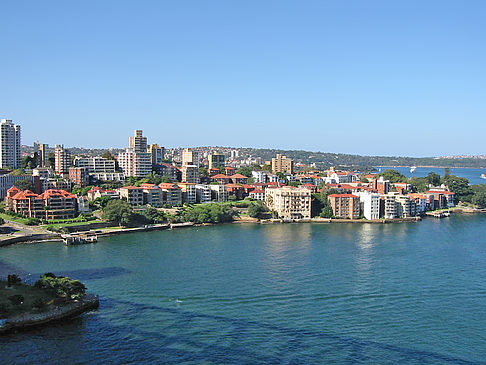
(257, 191)
(440, 192)
(219, 176)
(53, 193)
(238, 176)
(343, 196)
(168, 186)
(131, 187)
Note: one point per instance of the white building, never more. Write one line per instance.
(62, 160)
(137, 164)
(10, 154)
(259, 176)
(370, 204)
(107, 176)
(257, 194)
(203, 193)
(219, 193)
(390, 206)
(289, 202)
(95, 164)
(190, 174)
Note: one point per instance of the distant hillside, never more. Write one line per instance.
(322, 159)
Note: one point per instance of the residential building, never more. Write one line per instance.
(42, 155)
(62, 160)
(43, 172)
(107, 176)
(390, 210)
(137, 164)
(216, 160)
(420, 201)
(405, 208)
(258, 194)
(95, 164)
(10, 152)
(189, 192)
(219, 193)
(50, 205)
(132, 194)
(289, 202)
(79, 176)
(370, 205)
(152, 195)
(7, 181)
(157, 153)
(259, 176)
(171, 194)
(282, 164)
(203, 193)
(168, 170)
(190, 157)
(55, 184)
(97, 192)
(345, 205)
(443, 198)
(239, 179)
(137, 142)
(228, 170)
(190, 174)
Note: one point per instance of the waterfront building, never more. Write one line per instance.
(282, 164)
(171, 194)
(289, 202)
(152, 195)
(189, 194)
(443, 198)
(420, 201)
(132, 194)
(190, 174)
(62, 160)
(219, 193)
(389, 206)
(95, 164)
(157, 153)
(190, 157)
(258, 194)
(50, 205)
(369, 204)
(216, 160)
(10, 151)
(345, 205)
(203, 193)
(405, 207)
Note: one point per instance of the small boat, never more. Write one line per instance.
(413, 168)
(483, 176)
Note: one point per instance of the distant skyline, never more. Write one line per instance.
(402, 78)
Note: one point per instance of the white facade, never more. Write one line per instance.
(370, 205)
(10, 154)
(62, 160)
(190, 174)
(203, 193)
(107, 176)
(137, 164)
(95, 164)
(219, 193)
(259, 176)
(288, 202)
(390, 206)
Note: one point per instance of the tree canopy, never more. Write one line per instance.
(119, 212)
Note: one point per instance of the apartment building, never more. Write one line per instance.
(171, 194)
(420, 201)
(345, 205)
(190, 157)
(258, 194)
(189, 194)
(7, 181)
(79, 176)
(369, 204)
(10, 152)
(50, 205)
(136, 164)
(132, 194)
(389, 206)
(152, 195)
(95, 164)
(219, 193)
(190, 174)
(216, 160)
(62, 160)
(203, 193)
(289, 202)
(42, 155)
(137, 142)
(157, 153)
(282, 164)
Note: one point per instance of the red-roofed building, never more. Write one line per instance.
(344, 205)
(50, 205)
(258, 194)
(222, 179)
(228, 170)
(443, 198)
(239, 179)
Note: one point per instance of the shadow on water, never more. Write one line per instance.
(185, 336)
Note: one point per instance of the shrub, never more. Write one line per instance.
(38, 303)
(16, 299)
(3, 310)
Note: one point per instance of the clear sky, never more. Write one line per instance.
(366, 77)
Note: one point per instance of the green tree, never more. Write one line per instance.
(153, 215)
(393, 176)
(24, 185)
(2, 221)
(119, 212)
(479, 199)
(433, 179)
(257, 209)
(459, 186)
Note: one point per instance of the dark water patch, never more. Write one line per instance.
(7, 269)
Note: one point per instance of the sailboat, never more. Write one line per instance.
(413, 168)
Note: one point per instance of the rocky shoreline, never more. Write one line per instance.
(56, 313)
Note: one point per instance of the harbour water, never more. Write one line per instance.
(265, 294)
(473, 175)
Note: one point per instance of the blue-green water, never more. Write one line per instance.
(269, 294)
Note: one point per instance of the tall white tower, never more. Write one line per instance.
(10, 155)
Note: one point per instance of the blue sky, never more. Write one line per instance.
(365, 77)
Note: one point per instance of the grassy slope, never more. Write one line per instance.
(29, 293)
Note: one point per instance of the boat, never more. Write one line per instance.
(413, 168)
(483, 176)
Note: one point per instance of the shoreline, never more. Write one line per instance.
(169, 226)
(437, 167)
(70, 310)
